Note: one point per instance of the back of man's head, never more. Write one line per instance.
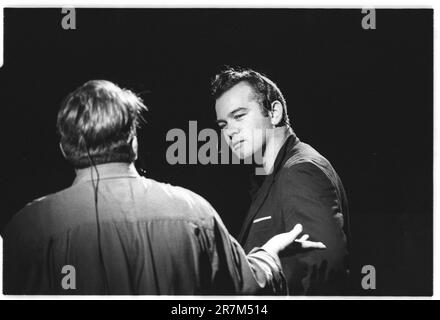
(98, 120)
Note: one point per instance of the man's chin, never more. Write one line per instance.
(243, 155)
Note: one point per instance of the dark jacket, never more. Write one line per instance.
(303, 188)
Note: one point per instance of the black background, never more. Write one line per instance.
(363, 98)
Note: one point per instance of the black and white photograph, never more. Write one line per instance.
(217, 152)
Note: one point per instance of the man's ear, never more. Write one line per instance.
(134, 146)
(62, 150)
(276, 113)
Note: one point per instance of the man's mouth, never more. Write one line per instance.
(237, 144)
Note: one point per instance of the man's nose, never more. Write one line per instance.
(231, 132)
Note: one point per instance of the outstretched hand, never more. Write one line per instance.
(283, 241)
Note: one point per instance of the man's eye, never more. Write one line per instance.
(239, 116)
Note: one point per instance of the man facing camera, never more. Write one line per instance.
(300, 185)
(115, 232)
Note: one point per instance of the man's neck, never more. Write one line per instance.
(275, 140)
(109, 166)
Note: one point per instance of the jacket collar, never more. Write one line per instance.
(291, 141)
(257, 181)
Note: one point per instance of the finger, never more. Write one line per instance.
(295, 232)
(303, 238)
(312, 245)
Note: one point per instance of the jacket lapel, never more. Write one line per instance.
(255, 207)
(263, 191)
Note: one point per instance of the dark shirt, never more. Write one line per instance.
(153, 238)
(303, 188)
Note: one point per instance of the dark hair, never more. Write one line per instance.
(266, 91)
(99, 120)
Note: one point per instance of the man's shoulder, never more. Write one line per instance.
(70, 207)
(305, 165)
(179, 200)
(34, 216)
(303, 153)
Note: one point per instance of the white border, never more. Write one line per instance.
(222, 3)
(254, 4)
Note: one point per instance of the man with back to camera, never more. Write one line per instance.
(115, 232)
(300, 185)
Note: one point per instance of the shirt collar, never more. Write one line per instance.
(106, 171)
